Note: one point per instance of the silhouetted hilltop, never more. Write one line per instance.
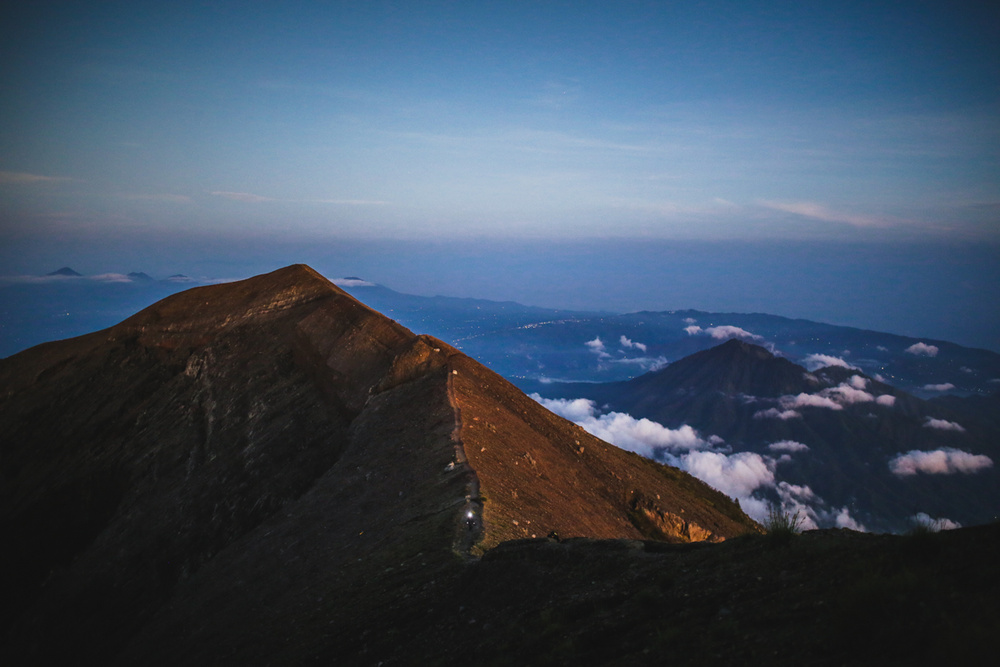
(64, 271)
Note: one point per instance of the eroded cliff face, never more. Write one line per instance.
(250, 452)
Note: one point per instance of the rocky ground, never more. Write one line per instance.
(831, 597)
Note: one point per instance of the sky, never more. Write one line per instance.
(232, 134)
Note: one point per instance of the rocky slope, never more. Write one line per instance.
(257, 469)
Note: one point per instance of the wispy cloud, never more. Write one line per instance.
(787, 446)
(775, 413)
(164, 197)
(347, 202)
(241, 196)
(23, 178)
(943, 386)
(817, 211)
(628, 343)
(252, 198)
(943, 425)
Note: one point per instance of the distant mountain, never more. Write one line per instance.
(65, 271)
(531, 346)
(834, 437)
(241, 464)
(139, 276)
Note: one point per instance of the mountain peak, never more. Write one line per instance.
(277, 420)
(202, 310)
(733, 367)
(65, 271)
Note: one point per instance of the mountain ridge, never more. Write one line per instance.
(189, 450)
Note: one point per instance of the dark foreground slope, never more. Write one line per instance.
(270, 472)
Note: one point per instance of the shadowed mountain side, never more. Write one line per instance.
(246, 465)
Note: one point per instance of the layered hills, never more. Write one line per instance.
(264, 469)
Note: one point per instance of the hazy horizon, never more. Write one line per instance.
(861, 285)
(835, 161)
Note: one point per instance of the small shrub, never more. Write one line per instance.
(782, 525)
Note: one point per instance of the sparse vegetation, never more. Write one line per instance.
(781, 525)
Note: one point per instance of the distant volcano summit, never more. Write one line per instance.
(65, 271)
(240, 461)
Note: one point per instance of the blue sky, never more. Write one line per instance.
(832, 160)
(550, 120)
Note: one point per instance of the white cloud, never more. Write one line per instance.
(932, 524)
(808, 400)
(881, 348)
(352, 282)
(845, 394)
(943, 425)
(574, 409)
(597, 347)
(641, 436)
(816, 361)
(922, 349)
(111, 278)
(966, 369)
(886, 399)
(858, 382)
(775, 413)
(736, 475)
(725, 332)
(795, 501)
(689, 320)
(788, 446)
(944, 386)
(843, 519)
(626, 343)
(811, 509)
(945, 461)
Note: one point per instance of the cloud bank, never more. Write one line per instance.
(944, 461)
(743, 475)
(641, 436)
